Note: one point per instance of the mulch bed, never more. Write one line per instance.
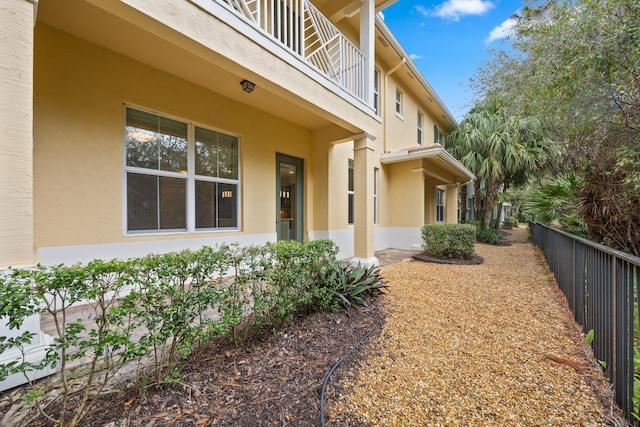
(274, 379)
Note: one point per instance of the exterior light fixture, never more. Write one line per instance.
(247, 86)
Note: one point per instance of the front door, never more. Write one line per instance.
(289, 197)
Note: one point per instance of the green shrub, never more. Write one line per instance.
(475, 222)
(357, 285)
(449, 240)
(490, 235)
(509, 223)
(164, 304)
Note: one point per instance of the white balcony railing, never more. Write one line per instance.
(302, 29)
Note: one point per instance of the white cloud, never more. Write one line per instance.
(415, 56)
(454, 9)
(501, 31)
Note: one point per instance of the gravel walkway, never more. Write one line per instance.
(473, 345)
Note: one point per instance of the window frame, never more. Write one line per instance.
(438, 137)
(190, 177)
(376, 91)
(440, 197)
(420, 125)
(399, 102)
(376, 173)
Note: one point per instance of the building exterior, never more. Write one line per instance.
(138, 126)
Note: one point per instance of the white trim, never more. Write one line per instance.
(34, 352)
(407, 238)
(54, 255)
(364, 262)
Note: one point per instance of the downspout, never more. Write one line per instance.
(384, 106)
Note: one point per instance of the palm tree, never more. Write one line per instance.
(500, 149)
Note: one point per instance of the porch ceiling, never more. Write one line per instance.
(130, 33)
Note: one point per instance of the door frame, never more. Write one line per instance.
(299, 206)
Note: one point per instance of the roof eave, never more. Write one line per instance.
(441, 153)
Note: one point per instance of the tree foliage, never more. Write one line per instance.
(501, 149)
(577, 64)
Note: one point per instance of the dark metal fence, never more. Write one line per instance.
(599, 284)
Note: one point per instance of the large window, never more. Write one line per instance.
(179, 177)
(420, 120)
(439, 205)
(350, 194)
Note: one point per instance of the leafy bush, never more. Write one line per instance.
(163, 303)
(475, 222)
(509, 223)
(357, 285)
(490, 235)
(449, 240)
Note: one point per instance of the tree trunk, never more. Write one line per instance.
(477, 200)
(497, 224)
(463, 203)
(491, 195)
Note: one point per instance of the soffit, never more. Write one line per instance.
(207, 69)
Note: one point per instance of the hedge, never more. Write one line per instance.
(449, 240)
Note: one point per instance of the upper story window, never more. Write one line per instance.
(438, 137)
(398, 103)
(420, 120)
(376, 91)
(439, 205)
(179, 176)
(350, 194)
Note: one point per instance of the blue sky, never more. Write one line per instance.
(448, 39)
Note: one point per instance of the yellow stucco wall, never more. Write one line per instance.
(80, 90)
(405, 195)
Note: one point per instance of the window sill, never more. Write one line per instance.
(181, 233)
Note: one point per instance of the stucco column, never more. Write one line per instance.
(451, 204)
(17, 20)
(363, 162)
(367, 45)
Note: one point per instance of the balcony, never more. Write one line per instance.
(300, 28)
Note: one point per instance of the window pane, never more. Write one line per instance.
(227, 205)
(155, 203)
(227, 156)
(350, 175)
(206, 201)
(216, 205)
(155, 142)
(142, 202)
(350, 215)
(173, 203)
(206, 152)
(216, 154)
